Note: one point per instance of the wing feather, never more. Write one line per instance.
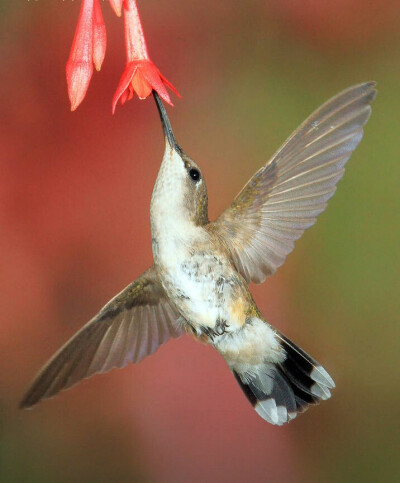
(286, 195)
(131, 326)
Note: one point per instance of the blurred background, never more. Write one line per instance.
(75, 190)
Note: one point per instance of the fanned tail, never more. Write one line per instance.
(279, 391)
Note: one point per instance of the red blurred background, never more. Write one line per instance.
(75, 191)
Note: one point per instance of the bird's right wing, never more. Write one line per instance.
(131, 326)
(287, 194)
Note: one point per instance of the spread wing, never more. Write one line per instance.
(131, 326)
(288, 193)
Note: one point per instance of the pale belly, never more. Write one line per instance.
(207, 291)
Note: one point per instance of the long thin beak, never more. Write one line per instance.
(166, 125)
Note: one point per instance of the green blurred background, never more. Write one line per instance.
(74, 230)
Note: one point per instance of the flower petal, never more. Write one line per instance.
(99, 36)
(140, 85)
(131, 91)
(124, 97)
(171, 86)
(116, 5)
(79, 68)
(153, 77)
(126, 79)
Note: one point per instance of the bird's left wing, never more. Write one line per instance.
(131, 326)
(286, 195)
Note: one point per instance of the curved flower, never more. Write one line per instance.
(88, 48)
(140, 74)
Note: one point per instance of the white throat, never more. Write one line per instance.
(171, 228)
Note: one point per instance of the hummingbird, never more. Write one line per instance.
(199, 280)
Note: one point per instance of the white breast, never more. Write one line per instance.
(200, 287)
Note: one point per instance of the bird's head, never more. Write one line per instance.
(180, 189)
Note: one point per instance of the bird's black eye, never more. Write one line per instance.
(194, 174)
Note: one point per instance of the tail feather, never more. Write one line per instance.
(279, 391)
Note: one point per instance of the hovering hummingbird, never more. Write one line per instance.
(199, 280)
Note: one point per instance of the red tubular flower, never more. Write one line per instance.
(88, 47)
(140, 74)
